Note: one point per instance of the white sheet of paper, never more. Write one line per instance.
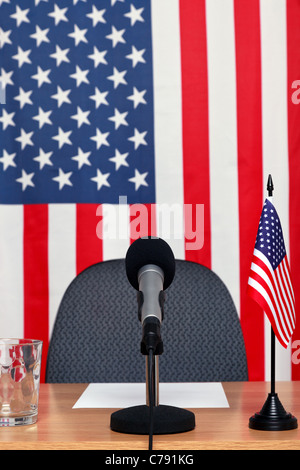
(123, 395)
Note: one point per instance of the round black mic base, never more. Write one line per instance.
(273, 417)
(167, 420)
(261, 423)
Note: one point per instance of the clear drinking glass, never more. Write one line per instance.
(20, 365)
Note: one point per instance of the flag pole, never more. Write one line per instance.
(272, 416)
(270, 188)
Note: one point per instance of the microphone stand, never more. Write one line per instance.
(166, 419)
(155, 385)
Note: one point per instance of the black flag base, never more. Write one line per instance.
(273, 417)
(167, 420)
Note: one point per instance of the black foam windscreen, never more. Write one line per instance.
(149, 250)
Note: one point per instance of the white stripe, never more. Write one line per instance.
(223, 143)
(274, 129)
(167, 108)
(115, 231)
(11, 271)
(62, 254)
(261, 290)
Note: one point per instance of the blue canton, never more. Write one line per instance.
(77, 113)
(269, 238)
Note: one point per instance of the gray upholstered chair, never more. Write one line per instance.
(97, 334)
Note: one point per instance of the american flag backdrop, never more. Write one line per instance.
(110, 104)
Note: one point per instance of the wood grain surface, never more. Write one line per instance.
(61, 427)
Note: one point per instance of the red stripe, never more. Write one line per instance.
(293, 73)
(142, 221)
(36, 294)
(250, 171)
(195, 136)
(273, 301)
(88, 243)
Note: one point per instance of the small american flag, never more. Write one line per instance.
(269, 282)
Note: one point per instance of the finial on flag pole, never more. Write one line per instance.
(272, 416)
(270, 186)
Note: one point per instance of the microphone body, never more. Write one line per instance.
(150, 268)
(151, 280)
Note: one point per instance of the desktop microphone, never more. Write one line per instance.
(150, 269)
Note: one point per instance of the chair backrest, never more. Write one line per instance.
(97, 334)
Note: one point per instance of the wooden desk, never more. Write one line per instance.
(61, 427)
